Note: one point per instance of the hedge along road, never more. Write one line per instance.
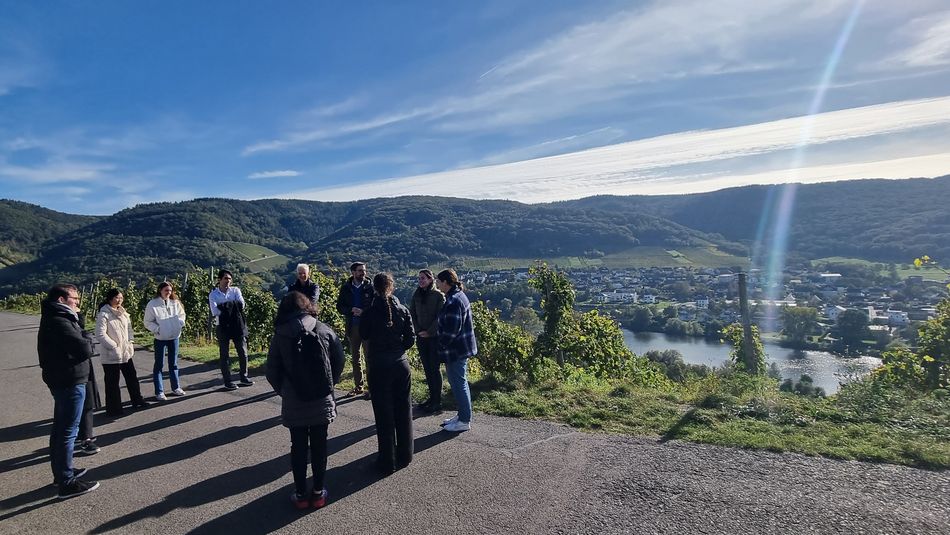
(217, 462)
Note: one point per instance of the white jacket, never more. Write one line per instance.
(114, 332)
(164, 319)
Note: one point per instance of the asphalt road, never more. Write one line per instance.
(217, 462)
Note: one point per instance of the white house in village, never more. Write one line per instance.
(897, 318)
(702, 302)
(617, 296)
(649, 299)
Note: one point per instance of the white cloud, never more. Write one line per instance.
(274, 174)
(930, 43)
(50, 173)
(656, 165)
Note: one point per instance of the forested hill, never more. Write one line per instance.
(883, 220)
(25, 227)
(170, 238)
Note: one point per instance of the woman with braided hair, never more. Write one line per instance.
(387, 327)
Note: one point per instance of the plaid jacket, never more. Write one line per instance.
(456, 333)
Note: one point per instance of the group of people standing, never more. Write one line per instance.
(65, 351)
(382, 330)
(304, 363)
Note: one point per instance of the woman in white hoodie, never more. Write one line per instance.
(164, 318)
(114, 332)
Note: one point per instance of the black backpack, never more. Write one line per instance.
(308, 369)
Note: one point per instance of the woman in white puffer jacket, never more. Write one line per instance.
(114, 332)
(164, 318)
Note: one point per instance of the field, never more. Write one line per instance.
(640, 257)
(903, 270)
(259, 258)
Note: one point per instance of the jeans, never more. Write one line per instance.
(315, 437)
(161, 348)
(224, 347)
(457, 370)
(67, 409)
(431, 363)
(389, 381)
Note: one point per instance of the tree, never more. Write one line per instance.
(527, 319)
(852, 327)
(642, 316)
(934, 344)
(798, 323)
(734, 335)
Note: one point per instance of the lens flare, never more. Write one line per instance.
(785, 205)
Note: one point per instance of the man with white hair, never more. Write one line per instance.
(304, 285)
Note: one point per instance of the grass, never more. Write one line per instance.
(639, 257)
(903, 270)
(257, 257)
(860, 423)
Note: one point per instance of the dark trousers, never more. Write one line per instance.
(224, 347)
(113, 394)
(389, 382)
(356, 345)
(312, 440)
(429, 355)
(85, 421)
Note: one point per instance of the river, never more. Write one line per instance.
(827, 370)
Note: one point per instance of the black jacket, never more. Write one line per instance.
(232, 320)
(344, 301)
(385, 341)
(63, 346)
(311, 289)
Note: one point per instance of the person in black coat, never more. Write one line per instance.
(307, 405)
(64, 350)
(387, 327)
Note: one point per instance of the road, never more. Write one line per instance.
(217, 462)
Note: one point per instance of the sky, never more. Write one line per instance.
(109, 104)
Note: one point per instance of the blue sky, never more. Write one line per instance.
(108, 104)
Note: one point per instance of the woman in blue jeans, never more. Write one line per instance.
(164, 318)
(456, 336)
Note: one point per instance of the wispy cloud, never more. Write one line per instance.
(20, 65)
(929, 43)
(667, 164)
(273, 174)
(594, 65)
(593, 138)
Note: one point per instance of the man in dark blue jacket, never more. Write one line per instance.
(356, 294)
(64, 350)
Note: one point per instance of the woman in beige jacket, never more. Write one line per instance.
(114, 333)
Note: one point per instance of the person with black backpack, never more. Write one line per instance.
(305, 360)
(387, 327)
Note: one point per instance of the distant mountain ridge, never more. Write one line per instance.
(884, 220)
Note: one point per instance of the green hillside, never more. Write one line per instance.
(878, 220)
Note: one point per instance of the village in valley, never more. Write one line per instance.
(703, 300)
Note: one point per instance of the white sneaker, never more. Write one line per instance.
(457, 427)
(451, 420)
(160, 396)
(178, 392)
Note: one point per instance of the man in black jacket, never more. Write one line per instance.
(304, 284)
(64, 350)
